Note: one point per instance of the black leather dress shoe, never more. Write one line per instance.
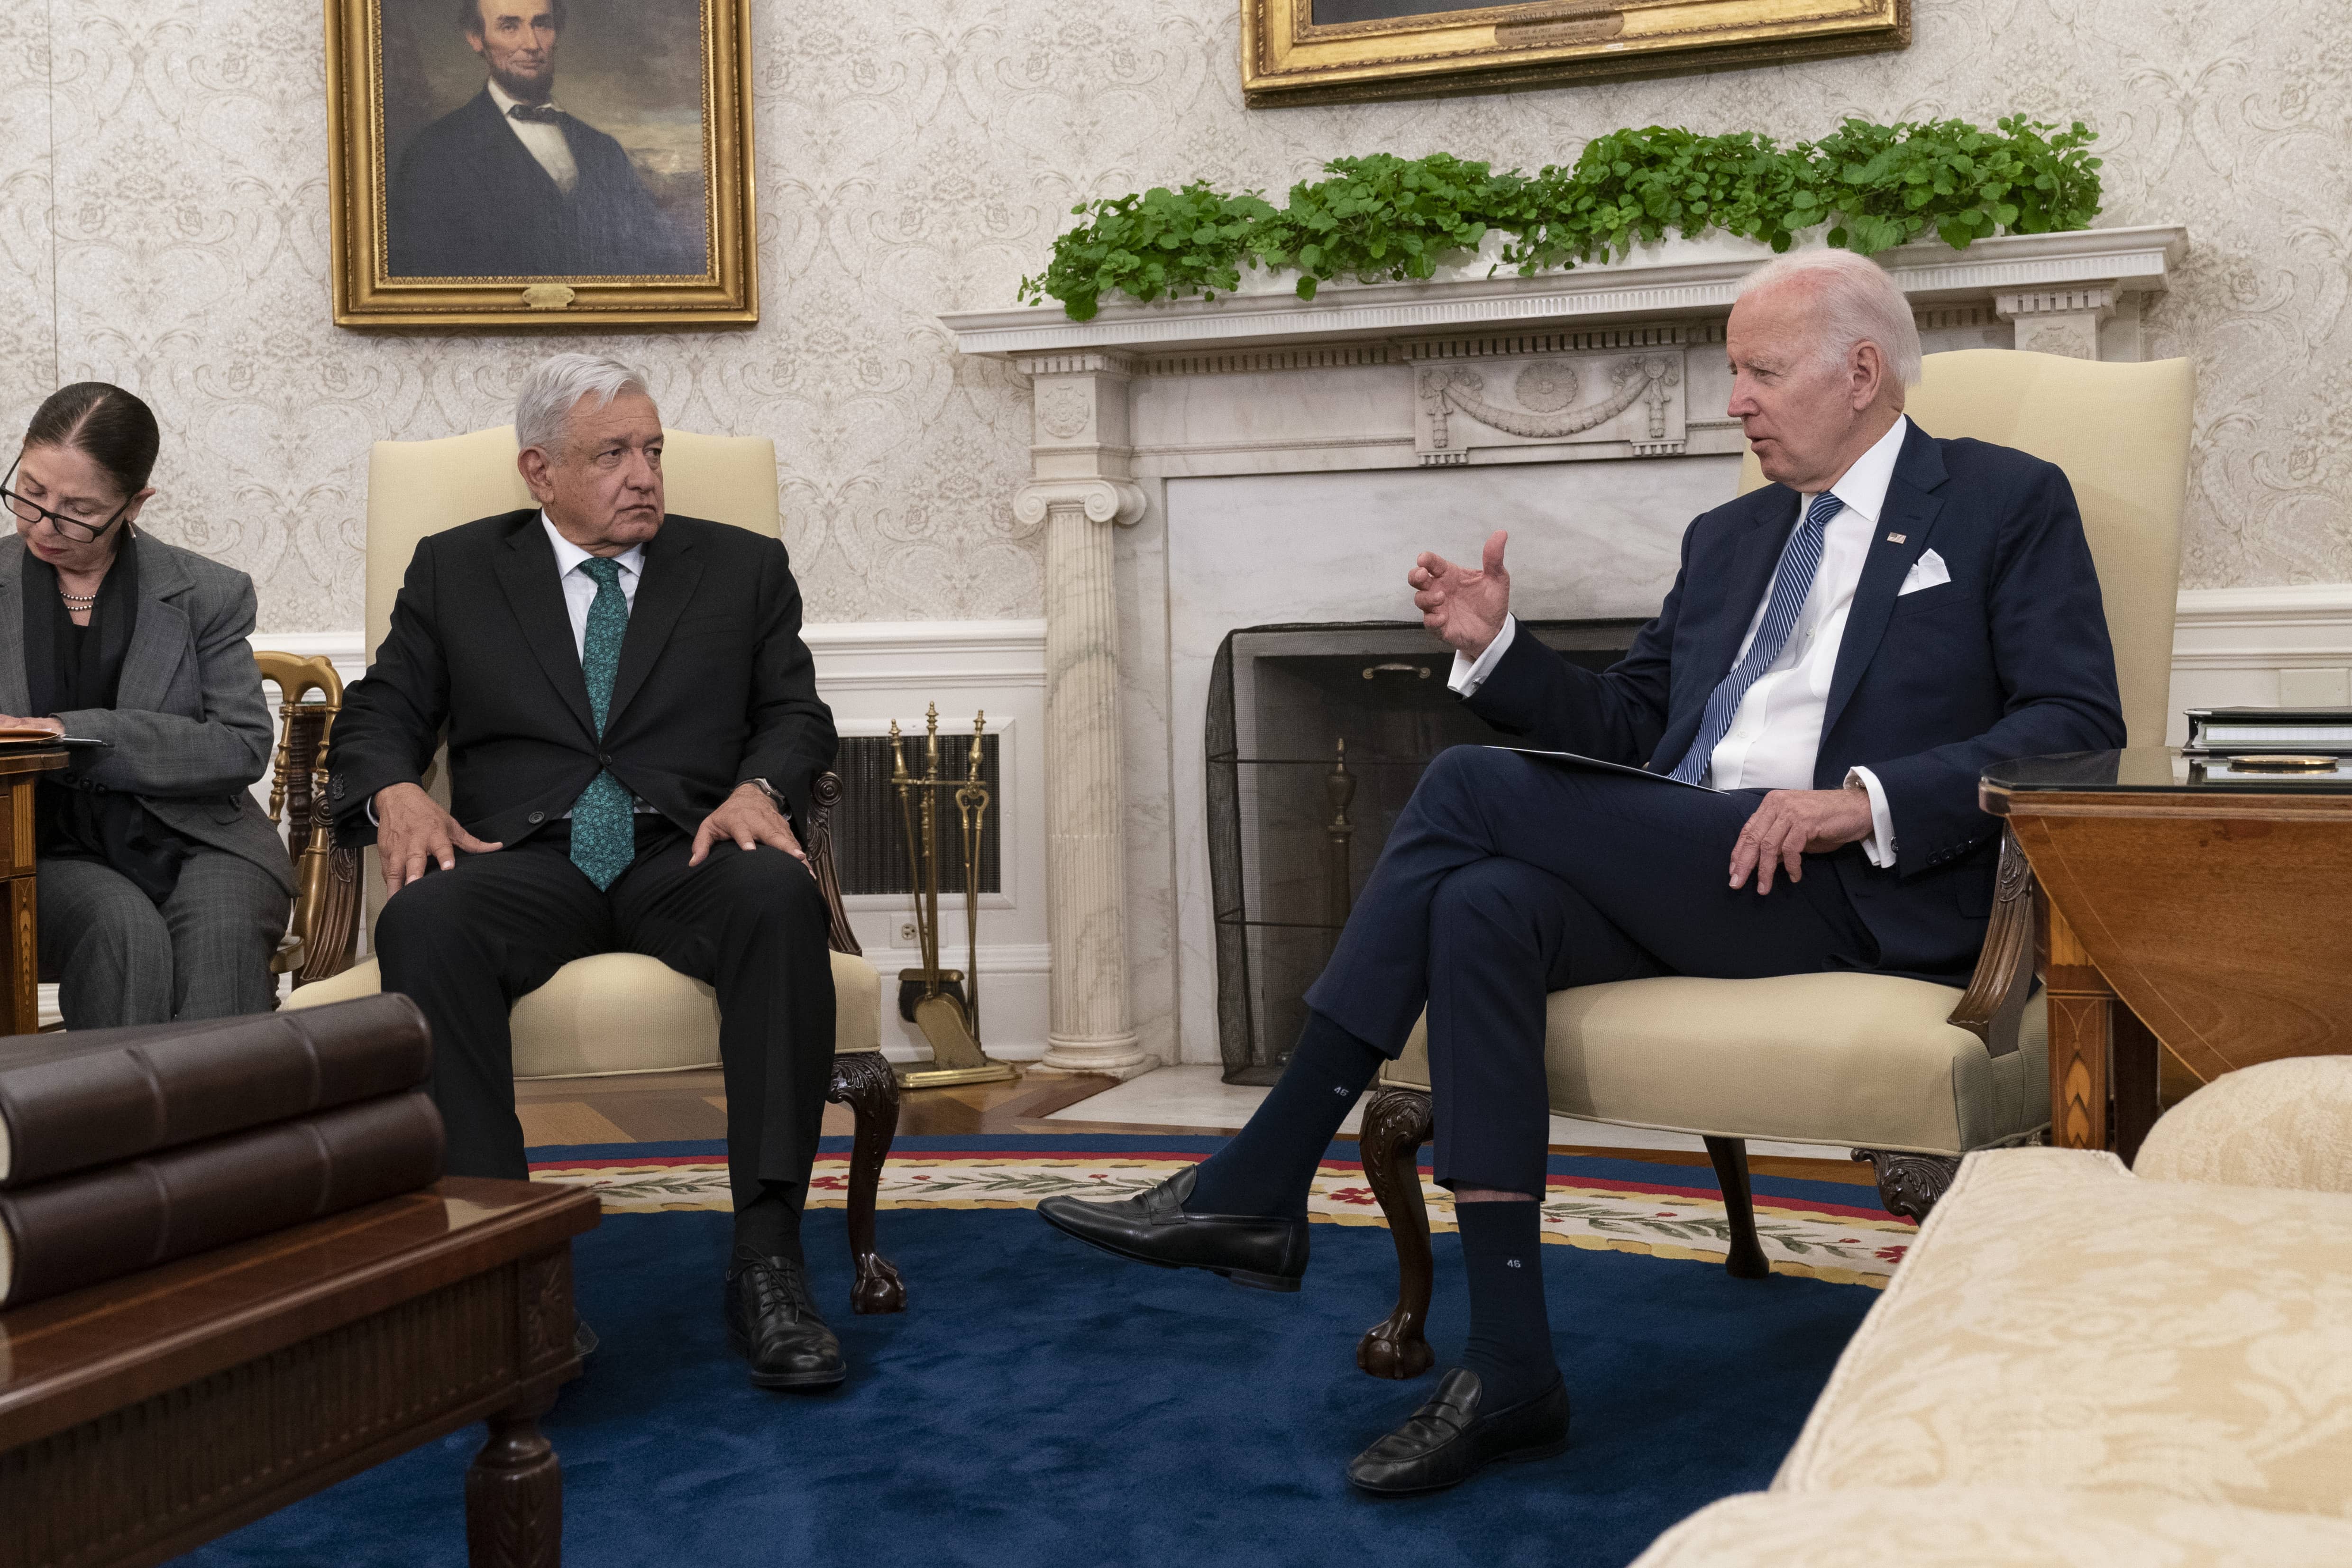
(1152, 1228)
(773, 1324)
(1449, 1439)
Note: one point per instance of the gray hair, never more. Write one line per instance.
(555, 387)
(1857, 303)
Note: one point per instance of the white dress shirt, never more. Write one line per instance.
(1776, 731)
(580, 589)
(543, 141)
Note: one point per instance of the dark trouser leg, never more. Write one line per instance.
(1653, 859)
(753, 926)
(463, 944)
(226, 918)
(106, 942)
(1502, 936)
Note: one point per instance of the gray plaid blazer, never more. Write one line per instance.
(190, 728)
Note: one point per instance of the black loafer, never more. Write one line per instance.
(1450, 1439)
(1152, 1228)
(773, 1324)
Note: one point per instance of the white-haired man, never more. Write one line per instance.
(1841, 654)
(633, 727)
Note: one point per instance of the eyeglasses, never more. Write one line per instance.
(71, 528)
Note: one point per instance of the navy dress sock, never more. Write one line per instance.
(1510, 1338)
(1269, 1166)
(770, 1225)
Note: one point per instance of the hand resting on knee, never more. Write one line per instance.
(412, 829)
(748, 817)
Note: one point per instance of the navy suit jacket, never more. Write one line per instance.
(470, 201)
(2009, 658)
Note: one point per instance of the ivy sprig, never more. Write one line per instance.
(1382, 217)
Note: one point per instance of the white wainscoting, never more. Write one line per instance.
(2259, 647)
(2255, 646)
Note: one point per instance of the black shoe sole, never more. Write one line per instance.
(1283, 1284)
(1514, 1457)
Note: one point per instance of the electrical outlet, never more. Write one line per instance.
(907, 932)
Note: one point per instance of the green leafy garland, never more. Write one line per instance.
(1385, 218)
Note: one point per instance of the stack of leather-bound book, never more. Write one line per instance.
(121, 1149)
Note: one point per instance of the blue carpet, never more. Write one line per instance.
(1044, 1404)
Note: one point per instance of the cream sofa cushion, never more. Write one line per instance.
(1992, 1527)
(2276, 1124)
(2061, 1323)
(1861, 1060)
(624, 1012)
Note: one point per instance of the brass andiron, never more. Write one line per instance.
(944, 1003)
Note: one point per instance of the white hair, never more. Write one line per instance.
(1855, 302)
(555, 387)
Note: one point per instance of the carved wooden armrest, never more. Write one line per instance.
(1993, 1007)
(822, 797)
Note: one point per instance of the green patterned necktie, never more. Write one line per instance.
(604, 819)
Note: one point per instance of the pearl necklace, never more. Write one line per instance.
(77, 601)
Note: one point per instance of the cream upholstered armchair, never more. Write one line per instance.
(1907, 1074)
(623, 1012)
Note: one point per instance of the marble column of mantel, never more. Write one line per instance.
(1466, 369)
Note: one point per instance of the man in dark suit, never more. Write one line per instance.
(511, 187)
(1843, 653)
(633, 729)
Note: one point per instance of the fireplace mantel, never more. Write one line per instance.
(1674, 278)
(1466, 370)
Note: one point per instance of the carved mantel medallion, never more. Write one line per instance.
(1633, 401)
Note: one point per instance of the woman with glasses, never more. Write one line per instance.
(164, 888)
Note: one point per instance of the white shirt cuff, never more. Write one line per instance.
(371, 811)
(1880, 845)
(1467, 675)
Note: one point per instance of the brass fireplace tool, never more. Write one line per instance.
(944, 1002)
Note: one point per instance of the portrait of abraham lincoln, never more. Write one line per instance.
(544, 139)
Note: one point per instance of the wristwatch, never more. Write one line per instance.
(775, 798)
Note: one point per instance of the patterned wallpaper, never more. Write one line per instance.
(163, 223)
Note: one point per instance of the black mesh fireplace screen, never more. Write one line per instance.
(1316, 734)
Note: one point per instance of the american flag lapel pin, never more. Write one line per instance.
(1894, 539)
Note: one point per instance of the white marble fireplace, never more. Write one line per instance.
(1203, 465)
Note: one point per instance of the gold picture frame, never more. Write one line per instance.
(445, 215)
(1288, 57)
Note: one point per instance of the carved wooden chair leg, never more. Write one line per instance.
(1909, 1185)
(862, 1080)
(1730, 1156)
(1397, 1122)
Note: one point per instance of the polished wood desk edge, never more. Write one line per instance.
(78, 1389)
(40, 759)
(1998, 800)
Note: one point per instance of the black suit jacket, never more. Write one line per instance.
(470, 200)
(715, 686)
(2009, 658)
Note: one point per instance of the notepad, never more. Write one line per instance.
(1573, 760)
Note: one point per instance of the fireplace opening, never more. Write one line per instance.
(1316, 736)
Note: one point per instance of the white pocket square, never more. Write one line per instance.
(1926, 572)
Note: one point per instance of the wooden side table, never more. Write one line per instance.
(20, 1006)
(144, 1417)
(2186, 905)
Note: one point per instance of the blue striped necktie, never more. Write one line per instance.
(1791, 581)
(604, 819)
